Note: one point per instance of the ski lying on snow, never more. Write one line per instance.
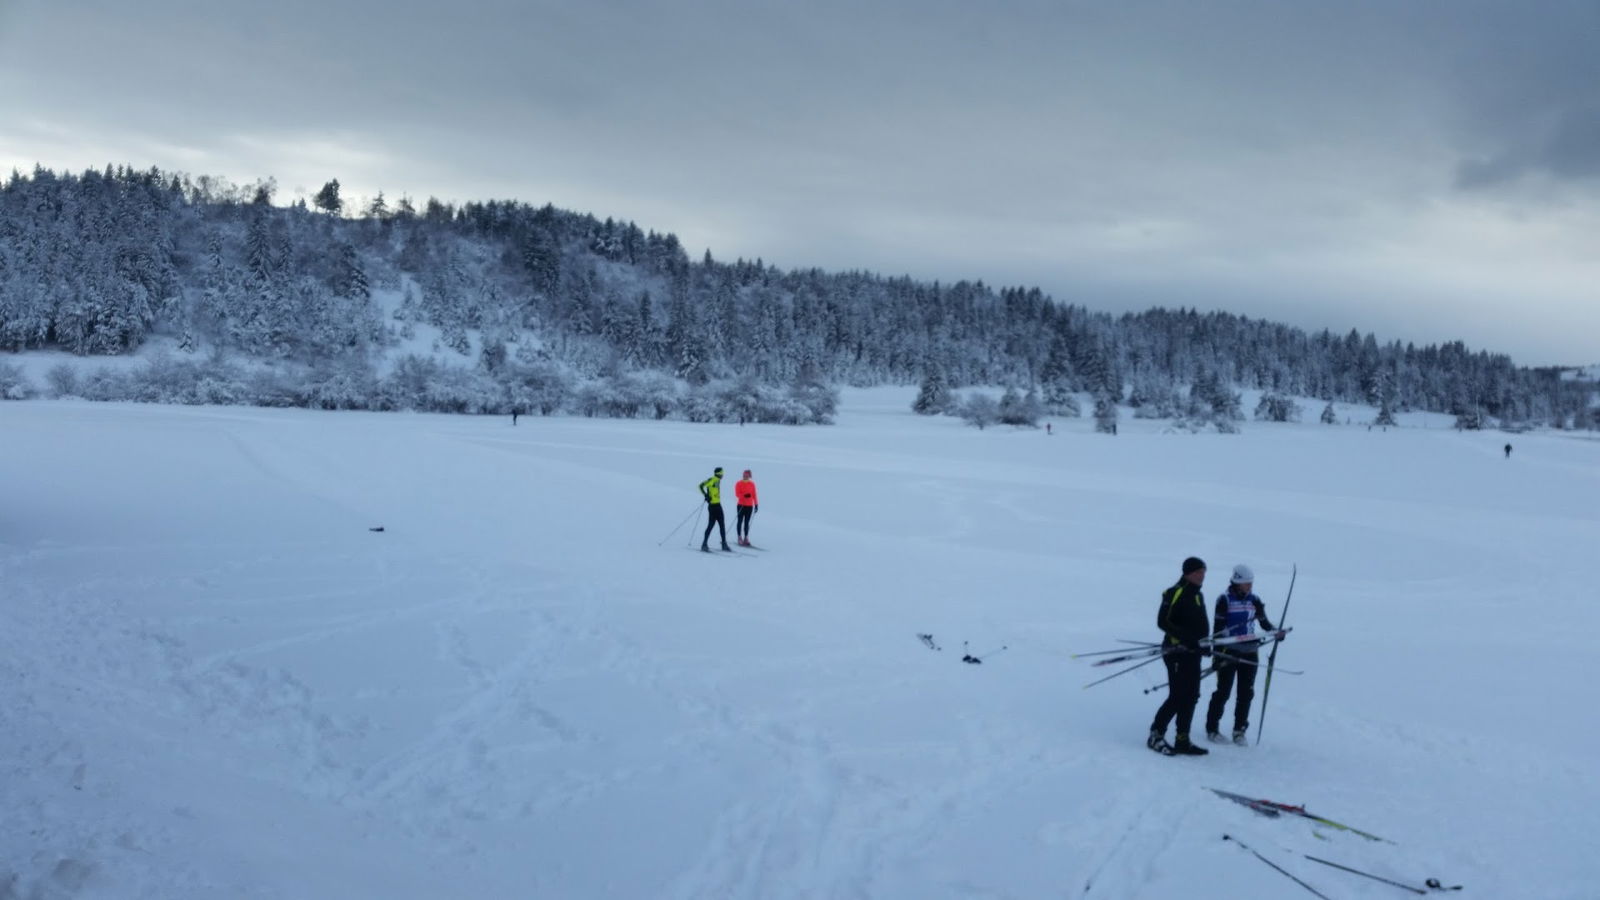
(1273, 808)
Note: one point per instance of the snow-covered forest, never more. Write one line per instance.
(502, 305)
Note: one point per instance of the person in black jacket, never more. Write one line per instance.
(1184, 621)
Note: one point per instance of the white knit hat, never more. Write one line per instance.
(1243, 575)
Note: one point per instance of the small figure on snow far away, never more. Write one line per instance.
(711, 490)
(514, 412)
(1182, 618)
(1047, 428)
(1237, 612)
(744, 492)
(1508, 451)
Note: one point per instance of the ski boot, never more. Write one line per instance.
(1184, 747)
(1238, 737)
(1158, 742)
(1213, 735)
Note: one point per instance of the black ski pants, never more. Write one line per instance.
(714, 518)
(1183, 691)
(741, 520)
(1228, 673)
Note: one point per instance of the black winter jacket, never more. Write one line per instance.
(1183, 615)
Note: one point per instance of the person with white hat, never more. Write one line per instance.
(1237, 612)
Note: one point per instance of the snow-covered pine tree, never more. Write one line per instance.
(933, 397)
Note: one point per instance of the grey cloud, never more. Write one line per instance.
(1081, 145)
(1527, 81)
(1571, 151)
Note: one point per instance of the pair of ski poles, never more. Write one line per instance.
(1227, 657)
(1154, 652)
(693, 513)
(1433, 884)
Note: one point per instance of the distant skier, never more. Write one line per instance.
(1182, 617)
(1237, 612)
(1508, 451)
(1047, 428)
(744, 492)
(711, 490)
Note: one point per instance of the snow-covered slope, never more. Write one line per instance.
(220, 683)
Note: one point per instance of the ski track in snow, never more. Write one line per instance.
(514, 691)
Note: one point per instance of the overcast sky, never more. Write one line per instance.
(1428, 171)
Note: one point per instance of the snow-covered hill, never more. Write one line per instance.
(219, 682)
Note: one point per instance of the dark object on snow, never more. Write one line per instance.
(1434, 883)
(1508, 451)
(1414, 890)
(927, 639)
(977, 660)
(376, 528)
(1269, 862)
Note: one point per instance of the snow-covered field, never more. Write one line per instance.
(218, 682)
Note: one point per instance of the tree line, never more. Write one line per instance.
(553, 301)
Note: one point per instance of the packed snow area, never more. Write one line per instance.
(220, 682)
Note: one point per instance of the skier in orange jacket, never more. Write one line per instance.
(744, 492)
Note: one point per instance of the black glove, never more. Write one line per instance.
(1196, 647)
(1221, 660)
(757, 509)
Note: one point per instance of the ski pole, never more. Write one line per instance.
(690, 544)
(1142, 646)
(1249, 662)
(1111, 661)
(1125, 671)
(1203, 676)
(1266, 688)
(1278, 867)
(1414, 890)
(679, 525)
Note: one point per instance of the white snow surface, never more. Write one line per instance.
(218, 682)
